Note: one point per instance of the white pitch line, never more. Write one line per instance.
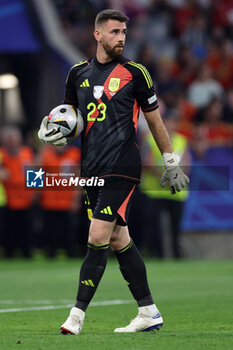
(54, 307)
(33, 302)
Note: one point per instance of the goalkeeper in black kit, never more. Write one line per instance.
(109, 90)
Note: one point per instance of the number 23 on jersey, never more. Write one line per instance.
(93, 108)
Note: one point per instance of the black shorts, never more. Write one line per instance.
(111, 201)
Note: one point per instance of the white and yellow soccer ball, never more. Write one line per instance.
(66, 119)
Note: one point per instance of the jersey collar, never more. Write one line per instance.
(116, 60)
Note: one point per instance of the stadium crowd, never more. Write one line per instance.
(187, 47)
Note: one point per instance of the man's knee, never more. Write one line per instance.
(119, 238)
(98, 238)
(100, 231)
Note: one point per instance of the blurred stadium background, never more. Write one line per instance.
(187, 47)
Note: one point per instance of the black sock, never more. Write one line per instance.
(91, 273)
(134, 272)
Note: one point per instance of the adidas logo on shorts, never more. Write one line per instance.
(106, 210)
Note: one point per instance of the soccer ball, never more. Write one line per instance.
(67, 120)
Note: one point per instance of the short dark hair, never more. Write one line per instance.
(105, 15)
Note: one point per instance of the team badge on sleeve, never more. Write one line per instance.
(114, 84)
(98, 91)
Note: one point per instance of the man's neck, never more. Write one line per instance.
(102, 56)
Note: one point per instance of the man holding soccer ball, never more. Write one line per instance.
(109, 89)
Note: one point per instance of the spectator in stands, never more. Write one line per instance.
(199, 143)
(204, 88)
(222, 14)
(196, 36)
(146, 56)
(217, 132)
(220, 62)
(187, 113)
(185, 66)
(183, 15)
(159, 200)
(167, 85)
(14, 157)
(59, 206)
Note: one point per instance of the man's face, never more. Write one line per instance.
(112, 35)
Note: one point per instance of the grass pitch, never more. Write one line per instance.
(194, 297)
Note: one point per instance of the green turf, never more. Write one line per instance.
(195, 298)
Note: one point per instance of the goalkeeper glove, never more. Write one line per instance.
(173, 175)
(51, 136)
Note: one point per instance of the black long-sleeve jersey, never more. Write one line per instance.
(109, 97)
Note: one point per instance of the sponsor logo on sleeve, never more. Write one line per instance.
(152, 99)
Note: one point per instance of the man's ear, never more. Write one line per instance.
(97, 35)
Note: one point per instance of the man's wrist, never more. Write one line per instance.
(170, 160)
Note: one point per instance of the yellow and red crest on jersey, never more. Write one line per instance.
(114, 84)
